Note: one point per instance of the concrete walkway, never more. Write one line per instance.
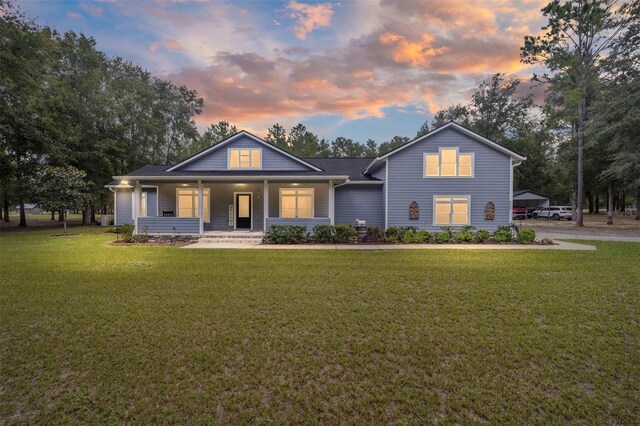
(597, 236)
(559, 245)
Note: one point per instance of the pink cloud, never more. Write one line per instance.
(309, 17)
(74, 15)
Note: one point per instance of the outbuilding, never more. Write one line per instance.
(530, 199)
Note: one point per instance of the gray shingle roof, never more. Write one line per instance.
(352, 167)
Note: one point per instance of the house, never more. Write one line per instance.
(30, 208)
(448, 177)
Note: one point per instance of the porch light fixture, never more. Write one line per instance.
(124, 182)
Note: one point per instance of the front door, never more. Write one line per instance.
(243, 211)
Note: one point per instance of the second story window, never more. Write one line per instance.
(249, 158)
(448, 163)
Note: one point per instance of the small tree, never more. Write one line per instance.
(63, 188)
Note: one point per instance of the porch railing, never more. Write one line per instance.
(169, 225)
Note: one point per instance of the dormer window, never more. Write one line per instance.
(241, 158)
(448, 162)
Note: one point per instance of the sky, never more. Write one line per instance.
(359, 69)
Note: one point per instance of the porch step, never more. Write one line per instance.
(232, 238)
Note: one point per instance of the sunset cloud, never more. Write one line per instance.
(309, 17)
(260, 64)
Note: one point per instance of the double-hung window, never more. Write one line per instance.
(245, 158)
(451, 210)
(296, 202)
(187, 202)
(448, 162)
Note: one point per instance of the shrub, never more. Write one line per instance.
(345, 233)
(463, 237)
(482, 236)
(392, 234)
(127, 232)
(423, 237)
(375, 232)
(526, 236)
(441, 237)
(403, 229)
(502, 236)
(324, 233)
(408, 237)
(468, 228)
(287, 234)
(505, 228)
(447, 230)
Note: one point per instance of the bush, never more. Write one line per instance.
(502, 236)
(441, 237)
(403, 229)
(408, 237)
(423, 237)
(468, 228)
(526, 236)
(463, 237)
(345, 233)
(482, 236)
(287, 234)
(447, 230)
(324, 233)
(334, 234)
(127, 232)
(375, 232)
(505, 228)
(392, 234)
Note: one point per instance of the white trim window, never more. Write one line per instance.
(143, 204)
(187, 203)
(245, 158)
(451, 210)
(296, 202)
(448, 162)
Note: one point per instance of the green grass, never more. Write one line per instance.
(92, 333)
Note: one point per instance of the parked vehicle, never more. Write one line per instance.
(553, 212)
(531, 210)
(519, 213)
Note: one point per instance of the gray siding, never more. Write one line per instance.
(407, 184)
(152, 202)
(168, 225)
(365, 202)
(124, 206)
(272, 160)
(222, 198)
(320, 197)
(309, 223)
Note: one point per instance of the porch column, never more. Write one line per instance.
(331, 202)
(265, 205)
(200, 206)
(137, 194)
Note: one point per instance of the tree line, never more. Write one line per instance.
(69, 113)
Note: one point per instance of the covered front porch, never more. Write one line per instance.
(202, 206)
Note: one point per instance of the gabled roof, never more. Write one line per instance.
(524, 191)
(459, 128)
(235, 137)
(326, 168)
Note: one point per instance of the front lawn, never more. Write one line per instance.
(92, 333)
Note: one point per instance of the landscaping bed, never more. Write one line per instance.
(344, 234)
